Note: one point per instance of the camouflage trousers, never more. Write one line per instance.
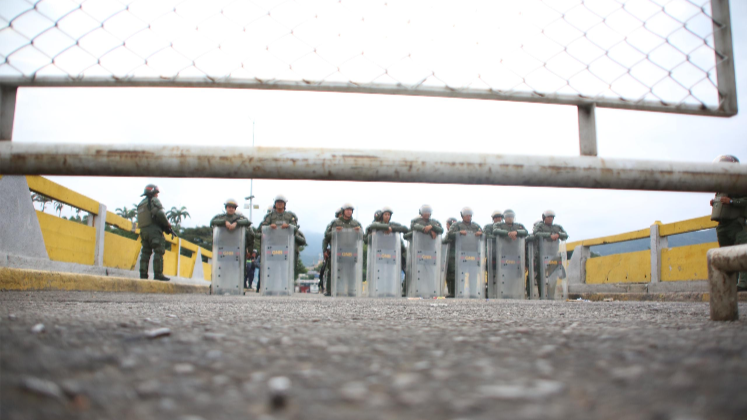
(733, 232)
(153, 242)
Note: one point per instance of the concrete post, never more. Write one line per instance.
(7, 111)
(587, 130)
(724, 264)
(657, 244)
(178, 257)
(577, 266)
(99, 222)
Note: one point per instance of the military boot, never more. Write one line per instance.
(144, 275)
(161, 277)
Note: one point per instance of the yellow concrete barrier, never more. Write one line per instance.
(631, 267)
(67, 241)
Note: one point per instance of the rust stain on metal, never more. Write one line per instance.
(360, 157)
(124, 153)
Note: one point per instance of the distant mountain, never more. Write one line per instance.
(310, 254)
(684, 239)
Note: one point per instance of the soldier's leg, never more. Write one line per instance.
(726, 233)
(159, 248)
(451, 279)
(145, 253)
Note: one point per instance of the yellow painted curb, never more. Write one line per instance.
(21, 279)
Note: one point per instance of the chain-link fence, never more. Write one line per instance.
(645, 54)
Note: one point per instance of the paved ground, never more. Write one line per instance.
(365, 359)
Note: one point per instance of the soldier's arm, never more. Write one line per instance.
(521, 232)
(495, 230)
(562, 234)
(739, 202)
(265, 221)
(396, 227)
(417, 227)
(243, 221)
(452, 233)
(437, 227)
(218, 220)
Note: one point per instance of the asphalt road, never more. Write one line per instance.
(310, 357)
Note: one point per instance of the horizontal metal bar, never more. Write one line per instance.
(372, 88)
(367, 165)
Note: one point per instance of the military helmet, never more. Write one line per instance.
(387, 209)
(338, 212)
(269, 209)
(726, 158)
(150, 189)
(348, 206)
(548, 213)
(231, 202)
(377, 215)
(281, 197)
(425, 208)
(496, 213)
(466, 211)
(509, 213)
(451, 220)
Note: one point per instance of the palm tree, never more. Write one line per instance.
(175, 216)
(58, 207)
(125, 213)
(42, 199)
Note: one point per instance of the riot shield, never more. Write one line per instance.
(385, 265)
(552, 265)
(278, 262)
(507, 281)
(531, 268)
(228, 260)
(425, 266)
(347, 263)
(470, 268)
(444, 266)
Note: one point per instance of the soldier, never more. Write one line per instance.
(497, 218)
(450, 221)
(152, 223)
(546, 228)
(327, 265)
(386, 224)
(459, 228)
(730, 211)
(425, 224)
(280, 216)
(509, 227)
(231, 219)
(344, 221)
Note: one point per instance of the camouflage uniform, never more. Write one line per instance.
(451, 239)
(152, 222)
(503, 229)
(241, 220)
(732, 230)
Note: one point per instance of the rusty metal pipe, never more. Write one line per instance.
(723, 266)
(368, 165)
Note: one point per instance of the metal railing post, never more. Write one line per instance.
(722, 45)
(7, 111)
(724, 264)
(587, 129)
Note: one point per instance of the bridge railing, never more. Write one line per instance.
(659, 263)
(91, 244)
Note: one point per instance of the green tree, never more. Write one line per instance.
(176, 216)
(125, 213)
(300, 268)
(58, 207)
(41, 199)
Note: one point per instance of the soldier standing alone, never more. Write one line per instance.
(152, 223)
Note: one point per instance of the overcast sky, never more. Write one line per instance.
(337, 120)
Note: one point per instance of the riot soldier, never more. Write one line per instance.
(386, 224)
(424, 223)
(730, 211)
(152, 222)
(546, 228)
(497, 218)
(280, 216)
(459, 228)
(345, 221)
(369, 229)
(509, 227)
(231, 219)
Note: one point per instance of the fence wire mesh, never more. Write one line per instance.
(643, 53)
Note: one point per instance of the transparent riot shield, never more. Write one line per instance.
(278, 262)
(228, 260)
(425, 266)
(508, 273)
(385, 265)
(552, 265)
(444, 266)
(347, 263)
(470, 268)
